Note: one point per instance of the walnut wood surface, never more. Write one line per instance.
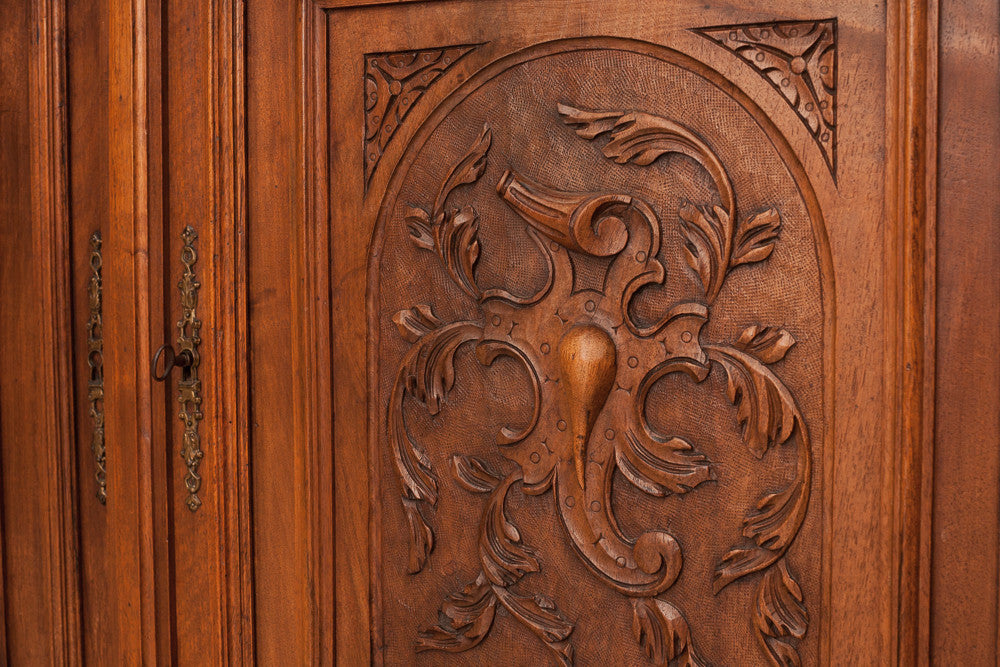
(964, 601)
(41, 607)
(688, 238)
(549, 331)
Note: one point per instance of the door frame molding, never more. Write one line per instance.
(51, 287)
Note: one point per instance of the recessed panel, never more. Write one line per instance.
(598, 316)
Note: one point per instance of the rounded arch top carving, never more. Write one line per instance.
(599, 284)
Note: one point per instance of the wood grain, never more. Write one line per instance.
(966, 534)
(912, 255)
(229, 285)
(455, 256)
(128, 407)
(42, 595)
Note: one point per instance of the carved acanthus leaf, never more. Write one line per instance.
(769, 344)
(661, 467)
(710, 248)
(641, 138)
(540, 615)
(474, 474)
(755, 238)
(453, 234)
(780, 615)
(662, 633)
(465, 619)
(772, 527)
(430, 364)
(708, 237)
(427, 373)
(504, 557)
(765, 408)
(769, 416)
(421, 535)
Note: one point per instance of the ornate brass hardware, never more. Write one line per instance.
(187, 359)
(95, 359)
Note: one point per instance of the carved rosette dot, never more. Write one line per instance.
(592, 364)
(799, 60)
(393, 84)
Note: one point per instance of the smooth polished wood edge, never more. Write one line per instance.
(228, 287)
(313, 359)
(909, 241)
(127, 334)
(51, 235)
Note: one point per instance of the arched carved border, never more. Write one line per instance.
(778, 141)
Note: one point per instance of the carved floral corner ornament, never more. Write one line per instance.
(799, 60)
(591, 364)
(393, 83)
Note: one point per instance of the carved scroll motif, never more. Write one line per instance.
(393, 84)
(799, 60)
(598, 361)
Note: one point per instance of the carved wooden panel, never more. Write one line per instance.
(597, 321)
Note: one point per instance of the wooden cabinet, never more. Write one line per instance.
(520, 332)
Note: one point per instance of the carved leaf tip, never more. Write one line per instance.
(780, 604)
(662, 632)
(769, 344)
(590, 123)
(756, 237)
(474, 474)
(465, 619)
(415, 322)
(662, 467)
(738, 563)
(780, 615)
(421, 229)
(421, 537)
(468, 169)
(774, 524)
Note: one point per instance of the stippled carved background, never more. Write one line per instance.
(599, 317)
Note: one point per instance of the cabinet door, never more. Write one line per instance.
(605, 331)
(162, 475)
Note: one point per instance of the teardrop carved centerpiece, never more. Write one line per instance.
(588, 364)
